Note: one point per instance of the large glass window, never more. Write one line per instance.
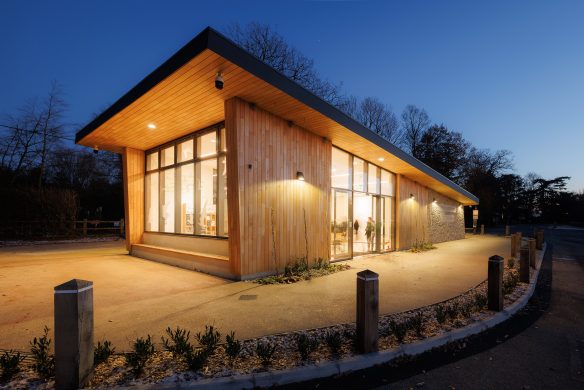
(188, 194)
(340, 169)
(387, 183)
(359, 174)
(373, 179)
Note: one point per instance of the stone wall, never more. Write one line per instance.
(445, 219)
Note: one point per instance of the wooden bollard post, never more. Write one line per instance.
(482, 229)
(122, 227)
(85, 227)
(73, 334)
(507, 230)
(531, 247)
(524, 264)
(367, 311)
(514, 246)
(539, 240)
(495, 283)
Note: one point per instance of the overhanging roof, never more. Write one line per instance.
(180, 97)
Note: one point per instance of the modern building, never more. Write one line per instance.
(237, 178)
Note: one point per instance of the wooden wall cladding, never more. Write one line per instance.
(265, 152)
(133, 171)
(421, 220)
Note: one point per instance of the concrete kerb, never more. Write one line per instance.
(358, 362)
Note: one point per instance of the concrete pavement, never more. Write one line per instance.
(134, 297)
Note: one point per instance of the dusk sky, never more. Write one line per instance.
(508, 75)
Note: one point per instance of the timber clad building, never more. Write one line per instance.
(240, 180)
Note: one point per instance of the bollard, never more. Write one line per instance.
(73, 334)
(524, 264)
(531, 247)
(482, 229)
(367, 311)
(495, 283)
(514, 246)
(85, 227)
(539, 240)
(507, 230)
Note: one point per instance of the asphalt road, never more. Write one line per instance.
(547, 355)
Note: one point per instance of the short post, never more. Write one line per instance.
(495, 283)
(539, 239)
(514, 246)
(73, 334)
(531, 246)
(524, 264)
(507, 230)
(85, 227)
(482, 229)
(122, 227)
(367, 311)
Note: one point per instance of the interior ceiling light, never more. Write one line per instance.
(151, 126)
(380, 159)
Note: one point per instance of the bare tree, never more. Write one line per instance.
(270, 47)
(379, 118)
(414, 122)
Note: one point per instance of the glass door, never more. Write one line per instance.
(364, 211)
(387, 219)
(340, 225)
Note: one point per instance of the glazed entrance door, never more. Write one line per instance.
(364, 213)
(340, 225)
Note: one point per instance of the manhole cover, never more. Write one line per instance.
(248, 297)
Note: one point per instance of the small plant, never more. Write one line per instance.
(102, 352)
(44, 362)
(421, 247)
(334, 340)
(511, 263)
(306, 345)
(453, 310)
(265, 351)
(233, 347)
(10, 364)
(510, 281)
(209, 339)
(467, 309)
(480, 300)
(416, 322)
(441, 314)
(196, 358)
(177, 342)
(399, 329)
(142, 349)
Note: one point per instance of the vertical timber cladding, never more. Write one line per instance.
(427, 217)
(133, 171)
(267, 151)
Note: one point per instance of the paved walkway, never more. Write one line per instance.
(134, 297)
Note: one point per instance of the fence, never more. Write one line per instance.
(59, 229)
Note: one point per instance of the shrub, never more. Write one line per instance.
(177, 342)
(511, 263)
(399, 329)
(265, 351)
(209, 339)
(480, 300)
(196, 358)
(142, 349)
(334, 340)
(467, 309)
(233, 347)
(510, 281)
(306, 345)
(44, 362)
(441, 314)
(416, 322)
(452, 310)
(102, 352)
(10, 364)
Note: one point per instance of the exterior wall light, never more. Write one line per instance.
(412, 196)
(95, 149)
(299, 176)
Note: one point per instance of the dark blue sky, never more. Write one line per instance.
(508, 75)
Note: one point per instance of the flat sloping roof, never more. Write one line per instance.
(213, 41)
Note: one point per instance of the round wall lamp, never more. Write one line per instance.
(412, 196)
(299, 176)
(219, 81)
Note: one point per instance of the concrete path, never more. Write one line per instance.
(134, 297)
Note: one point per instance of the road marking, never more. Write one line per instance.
(564, 259)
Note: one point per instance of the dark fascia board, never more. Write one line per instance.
(217, 42)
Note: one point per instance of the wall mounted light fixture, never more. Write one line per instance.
(412, 196)
(219, 81)
(299, 176)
